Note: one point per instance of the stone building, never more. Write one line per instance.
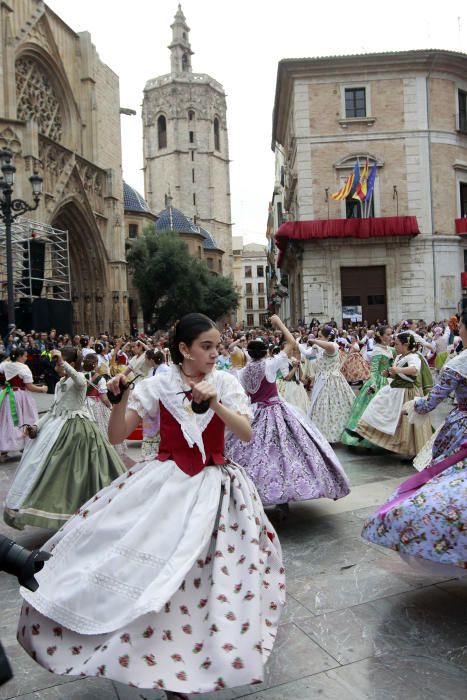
(59, 114)
(406, 112)
(185, 142)
(250, 279)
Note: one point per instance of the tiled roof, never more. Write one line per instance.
(172, 219)
(133, 201)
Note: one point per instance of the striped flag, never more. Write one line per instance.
(361, 187)
(344, 190)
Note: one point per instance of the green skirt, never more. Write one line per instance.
(361, 402)
(80, 463)
(440, 359)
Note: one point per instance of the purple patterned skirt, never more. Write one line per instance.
(287, 458)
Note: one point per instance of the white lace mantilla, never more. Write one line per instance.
(169, 388)
(458, 364)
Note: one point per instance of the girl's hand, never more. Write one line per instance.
(43, 389)
(392, 371)
(116, 383)
(204, 391)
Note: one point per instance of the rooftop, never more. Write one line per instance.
(133, 201)
(171, 219)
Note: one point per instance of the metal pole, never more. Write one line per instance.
(6, 207)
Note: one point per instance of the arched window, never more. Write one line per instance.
(162, 132)
(217, 140)
(184, 62)
(191, 115)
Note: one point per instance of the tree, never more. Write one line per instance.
(171, 282)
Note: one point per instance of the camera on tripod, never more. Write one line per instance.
(23, 564)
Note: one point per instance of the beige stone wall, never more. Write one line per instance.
(70, 132)
(443, 94)
(445, 186)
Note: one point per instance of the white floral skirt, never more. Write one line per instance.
(154, 591)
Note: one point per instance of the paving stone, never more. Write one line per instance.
(358, 623)
(82, 689)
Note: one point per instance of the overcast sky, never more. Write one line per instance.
(239, 43)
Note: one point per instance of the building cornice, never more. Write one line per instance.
(401, 63)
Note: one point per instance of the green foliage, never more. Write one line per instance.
(171, 282)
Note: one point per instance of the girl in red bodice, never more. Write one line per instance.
(172, 576)
(17, 405)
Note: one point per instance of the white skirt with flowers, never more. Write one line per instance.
(161, 581)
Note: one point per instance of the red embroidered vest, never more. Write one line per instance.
(174, 446)
(16, 382)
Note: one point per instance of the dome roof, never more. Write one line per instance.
(171, 219)
(133, 201)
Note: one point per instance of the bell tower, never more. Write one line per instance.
(180, 49)
(185, 143)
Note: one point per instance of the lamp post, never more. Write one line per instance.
(10, 209)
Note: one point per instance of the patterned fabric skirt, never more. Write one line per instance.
(431, 524)
(101, 414)
(77, 465)
(165, 581)
(451, 435)
(295, 394)
(11, 438)
(408, 438)
(287, 458)
(332, 408)
(355, 368)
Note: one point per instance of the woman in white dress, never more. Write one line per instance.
(294, 391)
(332, 398)
(98, 404)
(172, 576)
(384, 422)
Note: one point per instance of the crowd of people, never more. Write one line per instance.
(167, 572)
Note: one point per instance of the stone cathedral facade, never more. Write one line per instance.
(185, 142)
(60, 115)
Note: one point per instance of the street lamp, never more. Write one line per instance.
(10, 209)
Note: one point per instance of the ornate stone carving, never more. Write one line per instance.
(37, 100)
(54, 161)
(10, 139)
(40, 35)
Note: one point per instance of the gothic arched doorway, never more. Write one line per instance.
(88, 267)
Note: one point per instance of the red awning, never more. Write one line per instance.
(375, 227)
(461, 226)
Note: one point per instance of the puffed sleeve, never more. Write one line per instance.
(144, 398)
(232, 395)
(447, 383)
(26, 374)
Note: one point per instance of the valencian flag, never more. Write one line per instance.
(346, 188)
(371, 183)
(361, 187)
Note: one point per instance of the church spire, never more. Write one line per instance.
(180, 49)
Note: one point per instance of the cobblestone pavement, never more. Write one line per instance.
(358, 622)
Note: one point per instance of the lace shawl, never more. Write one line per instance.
(168, 387)
(458, 364)
(253, 375)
